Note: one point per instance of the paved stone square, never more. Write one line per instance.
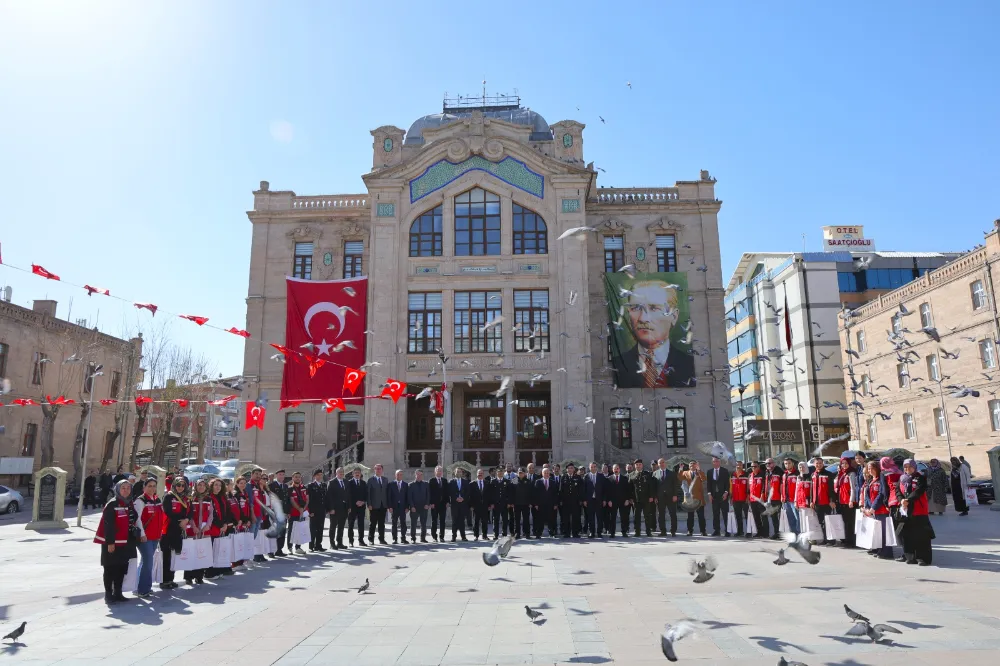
(603, 602)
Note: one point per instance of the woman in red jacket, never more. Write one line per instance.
(152, 523)
(200, 525)
(845, 492)
(917, 530)
(243, 512)
(222, 523)
(177, 508)
(117, 534)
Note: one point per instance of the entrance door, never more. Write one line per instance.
(485, 427)
(534, 442)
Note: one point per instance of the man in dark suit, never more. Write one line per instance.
(718, 489)
(280, 490)
(621, 499)
(668, 489)
(378, 503)
(524, 491)
(439, 495)
(398, 504)
(479, 503)
(545, 501)
(317, 511)
(357, 492)
(532, 476)
(556, 477)
(593, 501)
(419, 499)
(338, 501)
(570, 502)
(653, 362)
(458, 496)
(608, 511)
(501, 497)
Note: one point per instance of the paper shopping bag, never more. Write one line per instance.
(300, 533)
(203, 555)
(157, 566)
(222, 551)
(809, 524)
(260, 543)
(890, 532)
(783, 525)
(731, 522)
(239, 547)
(751, 524)
(131, 583)
(182, 561)
(835, 527)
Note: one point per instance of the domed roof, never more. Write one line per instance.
(520, 116)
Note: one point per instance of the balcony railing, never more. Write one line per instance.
(635, 195)
(331, 201)
(480, 457)
(423, 458)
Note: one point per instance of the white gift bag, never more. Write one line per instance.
(260, 543)
(222, 552)
(247, 544)
(731, 522)
(809, 524)
(300, 533)
(783, 525)
(203, 555)
(131, 583)
(890, 532)
(971, 498)
(182, 561)
(864, 532)
(157, 566)
(240, 547)
(835, 527)
(751, 524)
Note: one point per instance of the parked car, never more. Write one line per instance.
(231, 462)
(984, 491)
(195, 472)
(228, 473)
(11, 501)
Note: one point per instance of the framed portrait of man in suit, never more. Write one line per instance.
(650, 319)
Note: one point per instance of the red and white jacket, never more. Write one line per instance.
(739, 487)
(758, 484)
(152, 521)
(201, 516)
(789, 480)
(803, 492)
(895, 497)
(821, 487)
(297, 495)
(843, 486)
(121, 526)
(773, 481)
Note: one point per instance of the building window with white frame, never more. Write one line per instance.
(614, 253)
(353, 251)
(909, 426)
(978, 295)
(424, 313)
(531, 320)
(666, 253)
(902, 375)
(994, 406)
(302, 264)
(675, 433)
(933, 368)
(862, 344)
(988, 354)
(872, 431)
(940, 426)
(926, 320)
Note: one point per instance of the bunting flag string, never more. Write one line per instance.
(141, 400)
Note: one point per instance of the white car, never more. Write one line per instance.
(11, 501)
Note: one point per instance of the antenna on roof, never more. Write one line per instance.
(484, 89)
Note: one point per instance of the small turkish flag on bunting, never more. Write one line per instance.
(289, 404)
(180, 402)
(61, 400)
(148, 306)
(24, 402)
(334, 403)
(141, 400)
(314, 364)
(352, 379)
(201, 321)
(437, 402)
(238, 331)
(222, 401)
(255, 416)
(394, 389)
(96, 290)
(38, 270)
(288, 353)
(108, 402)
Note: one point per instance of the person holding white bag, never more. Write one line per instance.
(152, 523)
(876, 505)
(199, 526)
(808, 521)
(917, 529)
(177, 509)
(117, 534)
(222, 524)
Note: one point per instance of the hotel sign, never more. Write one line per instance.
(840, 239)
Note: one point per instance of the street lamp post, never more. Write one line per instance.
(86, 438)
(741, 388)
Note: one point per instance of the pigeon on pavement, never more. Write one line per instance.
(874, 632)
(17, 633)
(784, 662)
(672, 634)
(702, 571)
(532, 614)
(364, 588)
(800, 544)
(854, 615)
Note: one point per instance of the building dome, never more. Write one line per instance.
(520, 116)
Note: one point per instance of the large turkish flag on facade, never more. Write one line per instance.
(327, 314)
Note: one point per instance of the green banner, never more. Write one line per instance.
(649, 320)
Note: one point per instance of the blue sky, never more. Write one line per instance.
(132, 133)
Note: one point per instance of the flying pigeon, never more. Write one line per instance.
(874, 632)
(573, 231)
(498, 551)
(672, 634)
(717, 450)
(532, 614)
(800, 544)
(276, 513)
(364, 588)
(931, 333)
(854, 615)
(491, 323)
(702, 571)
(504, 383)
(17, 633)
(349, 291)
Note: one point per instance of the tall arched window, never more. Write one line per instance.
(530, 233)
(477, 223)
(425, 234)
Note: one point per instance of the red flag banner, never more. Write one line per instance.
(353, 379)
(393, 388)
(255, 416)
(788, 326)
(322, 313)
(38, 270)
(289, 404)
(334, 403)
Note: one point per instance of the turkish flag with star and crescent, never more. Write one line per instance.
(325, 314)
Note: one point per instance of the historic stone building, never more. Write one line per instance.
(915, 384)
(460, 225)
(42, 355)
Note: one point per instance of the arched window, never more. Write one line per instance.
(425, 234)
(530, 233)
(477, 223)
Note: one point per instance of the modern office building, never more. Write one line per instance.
(782, 318)
(459, 224)
(916, 384)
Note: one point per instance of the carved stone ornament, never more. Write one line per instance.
(304, 233)
(664, 224)
(575, 432)
(493, 150)
(380, 434)
(355, 228)
(613, 225)
(458, 150)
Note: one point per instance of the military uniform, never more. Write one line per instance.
(644, 489)
(570, 495)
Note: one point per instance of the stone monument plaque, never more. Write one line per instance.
(47, 497)
(50, 497)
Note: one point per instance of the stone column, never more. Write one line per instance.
(50, 499)
(510, 441)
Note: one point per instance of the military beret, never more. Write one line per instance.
(637, 461)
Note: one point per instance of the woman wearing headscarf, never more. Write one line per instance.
(199, 526)
(177, 508)
(152, 523)
(117, 533)
(959, 486)
(244, 515)
(803, 502)
(876, 496)
(937, 484)
(222, 522)
(844, 487)
(917, 531)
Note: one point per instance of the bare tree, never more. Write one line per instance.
(67, 362)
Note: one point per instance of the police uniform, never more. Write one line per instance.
(317, 514)
(570, 495)
(644, 490)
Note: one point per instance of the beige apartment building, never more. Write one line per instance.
(914, 385)
(42, 355)
(459, 224)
